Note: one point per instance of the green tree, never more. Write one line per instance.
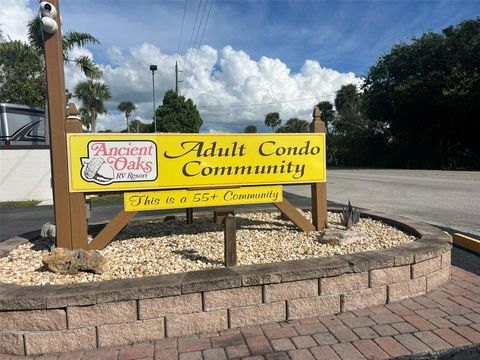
(327, 114)
(273, 120)
(178, 115)
(354, 139)
(127, 107)
(22, 78)
(85, 117)
(426, 95)
(136, 126)
(294, 125)
(348, 105)
(92, 94)
(250, 129)
(22, 65)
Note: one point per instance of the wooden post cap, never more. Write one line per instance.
(72, 109)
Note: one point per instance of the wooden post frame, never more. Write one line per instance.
(295, 216)
(56, 108)
(78, 219)
(189, 215)
(257, 163)
(319, 190)
(230, 240)
(107, 234)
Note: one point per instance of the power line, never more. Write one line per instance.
(233, 124)
(189, 63)
(212, 107)
(190, 55)
(222, 117)
(258, 104)
(201, 39)
(181, 30)
(191, 35)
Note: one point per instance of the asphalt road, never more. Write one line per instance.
(449, 199)
(443, 198)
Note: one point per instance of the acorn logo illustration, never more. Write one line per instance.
(97, 170)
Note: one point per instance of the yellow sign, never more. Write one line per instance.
(115, 162)
(172, 199)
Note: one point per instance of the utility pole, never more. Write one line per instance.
(176, 78)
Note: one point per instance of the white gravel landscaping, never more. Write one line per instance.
(157, 247)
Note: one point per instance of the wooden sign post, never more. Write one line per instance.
(319, 189)
(58, 153)
(70, 213)
(230, 240)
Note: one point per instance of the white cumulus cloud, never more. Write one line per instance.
(14, 15)
(231, 89)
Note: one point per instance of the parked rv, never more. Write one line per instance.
(21, 125)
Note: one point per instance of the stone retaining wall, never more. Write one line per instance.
(47, 319)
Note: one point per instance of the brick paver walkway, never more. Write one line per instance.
(445, 318)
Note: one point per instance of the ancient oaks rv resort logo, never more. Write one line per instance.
(120, 161)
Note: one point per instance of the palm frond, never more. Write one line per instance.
(87, 66)
(74, 38)
(18, 51)
(35, 33)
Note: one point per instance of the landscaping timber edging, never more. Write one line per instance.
(59, 318)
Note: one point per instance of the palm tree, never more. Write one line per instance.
(85, 117)
(92, 94)
(127, 107)
(272, 119)
(70, 40)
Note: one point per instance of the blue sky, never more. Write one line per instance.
(289, 53)
(343, 35)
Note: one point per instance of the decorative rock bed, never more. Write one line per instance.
(157, 247)
(58, 318)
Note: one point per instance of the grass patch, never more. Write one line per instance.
(13, 204)
(105, 199)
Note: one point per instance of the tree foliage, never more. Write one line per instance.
(327, 114)
(426, 97)
(178, 115)
(418, 106)
(21, 75)
(294, 125)
(127, 107)
(136, 126)
(92, 94)
(69, 41)
(273, 120)
(250, 129)
(22, 65)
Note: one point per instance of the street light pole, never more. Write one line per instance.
(153, 68)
